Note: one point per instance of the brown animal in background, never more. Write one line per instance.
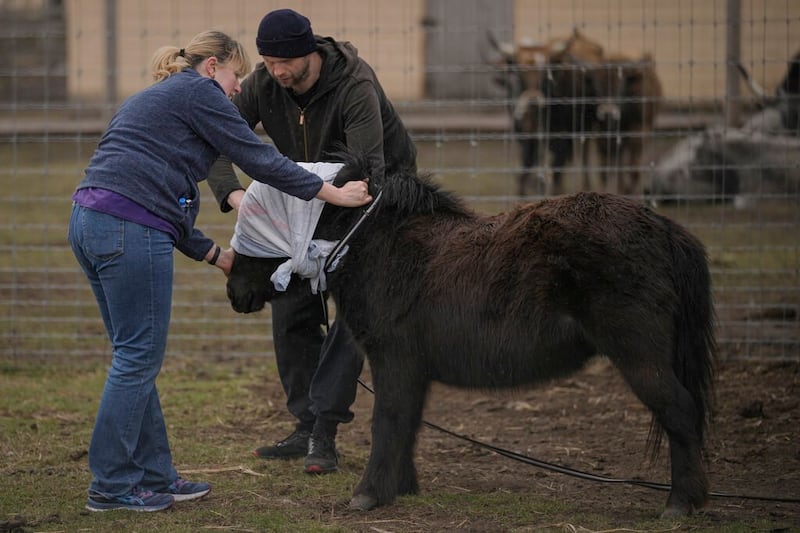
(527, 115)
(521, 71)
(570, 102)
(566, 90)
(629, 95)
(553, 100)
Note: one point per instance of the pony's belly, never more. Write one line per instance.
(501, 372)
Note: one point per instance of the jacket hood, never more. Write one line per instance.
(341, 61)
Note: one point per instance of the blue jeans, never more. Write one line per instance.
(130, 270)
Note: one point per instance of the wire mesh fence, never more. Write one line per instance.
(497, 95)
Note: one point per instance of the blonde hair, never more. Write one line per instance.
(170, 59)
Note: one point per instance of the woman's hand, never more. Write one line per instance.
(351, 194)
(225, 260)
(222, 260)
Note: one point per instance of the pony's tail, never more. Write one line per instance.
(694, 348)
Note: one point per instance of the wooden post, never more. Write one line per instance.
(732, 58)
(112, 67)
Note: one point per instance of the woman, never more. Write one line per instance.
(139, 200)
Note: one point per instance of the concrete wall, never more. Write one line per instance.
(386, 33)
(686, 37)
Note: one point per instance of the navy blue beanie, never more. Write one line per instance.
(285, 33)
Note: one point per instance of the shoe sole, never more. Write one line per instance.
(134, 508)
(317, 469)
(272, 457)
(188, 497)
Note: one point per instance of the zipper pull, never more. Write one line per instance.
(302, 117)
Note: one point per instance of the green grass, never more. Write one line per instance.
(46, 418)
(46, 415)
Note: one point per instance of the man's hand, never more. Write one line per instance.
(235, 198)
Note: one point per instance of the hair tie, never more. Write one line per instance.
(182, 52)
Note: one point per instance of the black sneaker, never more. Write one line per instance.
(322, 456)
(294, 446)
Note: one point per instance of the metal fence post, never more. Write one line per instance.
(112, 69)
(732, 58)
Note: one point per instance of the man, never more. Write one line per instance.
(311, 95)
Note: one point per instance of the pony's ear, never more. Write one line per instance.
(356, 165)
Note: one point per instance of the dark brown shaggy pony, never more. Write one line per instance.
(433, 291)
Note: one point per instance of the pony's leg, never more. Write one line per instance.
(561, 151)
(633, 148)
(522, 181)
(396, 418)
(530, 157)
(604, 162)
(656, 385)
(585, 163)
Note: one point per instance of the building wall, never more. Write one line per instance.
(686, 37)
(386, 33)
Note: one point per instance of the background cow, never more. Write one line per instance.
(759, 159)
(629, 94)
(731, 164)
(567, 91)
(570, 107)
(548, 86)
(520, 75)
(787, 96)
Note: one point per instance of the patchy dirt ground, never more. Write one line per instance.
(592, 422)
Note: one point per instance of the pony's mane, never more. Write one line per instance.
(409, 193)
(404, 192)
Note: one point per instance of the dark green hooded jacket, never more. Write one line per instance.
(348, 107)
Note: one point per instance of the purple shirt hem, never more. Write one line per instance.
(112, 203)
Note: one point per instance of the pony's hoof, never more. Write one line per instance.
(363, 502)
(675, 512)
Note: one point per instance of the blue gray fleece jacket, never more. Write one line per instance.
(162, 142)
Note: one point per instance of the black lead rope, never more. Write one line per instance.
(334, 255)
(585, 475)
(343, 242)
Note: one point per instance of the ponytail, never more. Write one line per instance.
(168, 60)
